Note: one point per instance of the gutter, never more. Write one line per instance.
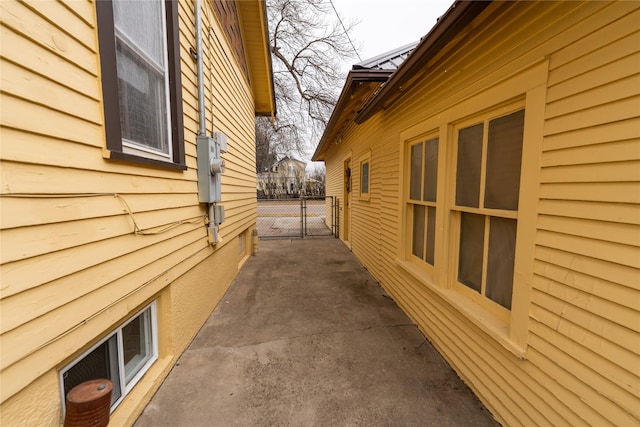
(458, 17)
(202, 121)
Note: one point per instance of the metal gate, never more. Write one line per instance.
(303, 217)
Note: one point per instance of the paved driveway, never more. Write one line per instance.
(306, 337)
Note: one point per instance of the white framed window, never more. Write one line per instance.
(141, 85)
(143, 77)
(123, 357)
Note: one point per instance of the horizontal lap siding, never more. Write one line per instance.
(365, 232)
(583, 346)
(67, 214)
(587, 269)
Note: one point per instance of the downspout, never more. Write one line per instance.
(202, 130)
(210, 163)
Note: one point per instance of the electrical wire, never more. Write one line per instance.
(144, 232)
(137, 230)
(346, 33)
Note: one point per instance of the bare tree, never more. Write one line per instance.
(308, 45)
(316, 180)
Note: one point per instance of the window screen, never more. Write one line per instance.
(416, 172)
(504, 158)
(471, 250)
(469, 166)
(102, 362)
(502, 250)
(418, 231)
(364, 186)
(142, 73)
(431, 234)
(423, 186)
(431, 170)
(492, 191)
(123, 357)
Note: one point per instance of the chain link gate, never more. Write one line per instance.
(303, 217)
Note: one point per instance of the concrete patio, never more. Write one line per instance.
(306, 337)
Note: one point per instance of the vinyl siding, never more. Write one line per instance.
(583, 334)
(72, 267)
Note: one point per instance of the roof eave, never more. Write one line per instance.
(355, 76)
(458, 17)
(254, 26)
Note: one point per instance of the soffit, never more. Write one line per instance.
(359, 87)
(254, 26)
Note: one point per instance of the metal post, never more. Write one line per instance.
(302, 218)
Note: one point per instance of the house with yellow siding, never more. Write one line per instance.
(114, 250)
(491, 184)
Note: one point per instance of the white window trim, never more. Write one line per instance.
(125, 388)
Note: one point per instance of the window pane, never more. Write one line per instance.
(502, 249)
(469, 166)
(136, 344)
(100, 363)
(471, 250)
(142, 23)
(431, 233)
(365, 178)
(431, 170)
(504, 157)
(416, 172)
(418, 231)
(142, 73)
(141, 91)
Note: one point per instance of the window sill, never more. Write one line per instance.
(489, 324)
(131, 158)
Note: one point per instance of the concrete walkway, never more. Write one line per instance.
(306, 337)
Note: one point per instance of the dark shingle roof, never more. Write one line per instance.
(387, 61)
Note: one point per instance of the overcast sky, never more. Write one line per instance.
(388, 24)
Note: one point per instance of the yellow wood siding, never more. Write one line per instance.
(581, 363)
(71, 266)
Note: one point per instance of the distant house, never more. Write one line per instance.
(110, 259)
(491, 184)
(285, 178)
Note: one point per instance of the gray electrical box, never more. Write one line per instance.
(218, 214)
(210, 166)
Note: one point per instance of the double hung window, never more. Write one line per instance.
(488, 167)
(139, 55)
(423, 183)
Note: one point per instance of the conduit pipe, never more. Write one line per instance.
(202, 130)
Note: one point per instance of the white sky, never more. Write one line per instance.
(388, 24)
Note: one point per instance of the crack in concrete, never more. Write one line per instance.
(296, 337)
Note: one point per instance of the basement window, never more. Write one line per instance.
(123, 357)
